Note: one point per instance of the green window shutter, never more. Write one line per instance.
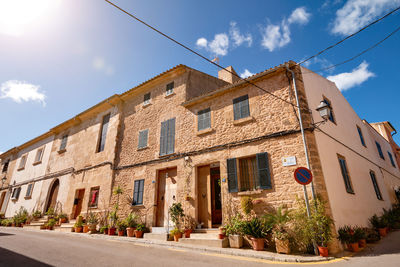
(204, 119)
(143, 136)
(171, 136)
(263, 179)
(241, 107)
(232, 175)
(163, 138)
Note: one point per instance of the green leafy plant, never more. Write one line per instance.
(62, 216)
(78, 223)
(131, 220)
(378, 222)
(50, 212)
(176, 212)
(247, 204)
(140, 227)
(175, 231)
(37, 214)
(344, 234)
(121, 225)
(279, 221)
(359, 233)
(20, 216)
(51, 223)
(103, 229)
(255, 228)
(235, 225)
(92, 218)
(113, 218)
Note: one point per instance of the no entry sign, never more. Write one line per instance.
(303, 176)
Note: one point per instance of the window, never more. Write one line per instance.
(345, 174)
(375, 184)
(5, 166)
(15, 193)
(138, 192)
(331, 116)
(103, 132)
(143, 136)
(241, 107)
(63, 142)
(146, 99)
(361, 136)
(391, 159)
(29, 191)
(167, 137)
(22, 162)
(94, 197)
(204, 119)
(170, 89)
(248, 174)
(378, 146)
(39, 155)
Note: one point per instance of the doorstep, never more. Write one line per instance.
(246, 252)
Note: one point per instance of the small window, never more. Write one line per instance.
(94, 197)
(143, 137)
(63, 142)
(331, 116)
(376, 186)
(5, 166)
(241, 107)
(138, 192)
(361, 136)
(204, 119)
(15, 193)
(103, 132)
(391, 159)
(170, 89)
(29, 191)
(345, 174)
(167, 137)
(146, 99)
(378, 146)
(22, 162)
(39, 155)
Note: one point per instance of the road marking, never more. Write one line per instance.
(174, 249)
(142, 245)
(274, 262)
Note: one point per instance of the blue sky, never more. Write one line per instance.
(60, 57)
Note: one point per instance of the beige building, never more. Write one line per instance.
(7, 163)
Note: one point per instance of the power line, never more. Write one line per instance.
(196, 53)
(349, 36)
(359, 54)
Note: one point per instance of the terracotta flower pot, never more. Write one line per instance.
(258, 243)
(282, 246)
(222, 230)
(93, 228)
(63, 220)
(177, 236)
(235, 241)
(382, 232)
(111, 231)
(323, 251)
(362, 243)
(188, 232)
(78, 229)
(105, 231)
(353, 247)
(121, 232)
(86, 228)
(130, 232)
(387, 229)
(221, 236)
(138, 234)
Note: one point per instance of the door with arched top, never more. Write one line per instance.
(52, 199)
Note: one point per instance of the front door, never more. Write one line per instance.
(166, 195)
(79, 194)
(3, 195)
(203, 196)
(216, 211)
(52, 200)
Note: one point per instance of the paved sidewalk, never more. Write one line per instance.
(244, 252)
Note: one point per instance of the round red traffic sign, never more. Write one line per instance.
(303, 176)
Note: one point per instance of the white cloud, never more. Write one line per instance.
(237, 37)
(218, 47)
(202, 42)
(20, 91)
(357, 76)
(101, 65)
(357, 13)
(246, 74)
(278, 35)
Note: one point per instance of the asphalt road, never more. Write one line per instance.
(34, 248)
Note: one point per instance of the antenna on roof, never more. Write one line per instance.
(216, 59)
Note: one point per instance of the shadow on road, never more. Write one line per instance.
(387, 245)
(5, 234)
(10, 258)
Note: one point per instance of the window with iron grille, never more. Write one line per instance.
(146, 99)
(138, 192)
(241, 107)
(170, 89)
(375, 184)
(204, 119)
(345, 174)
(143, 137)
(63, 144)
(103, 132)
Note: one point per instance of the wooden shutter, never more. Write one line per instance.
(204, 119)
(345, 175)
(143, 136)
(171, 136)
(18, 191)
(241, 107)
(63, 142)
(263, 179)
(232, 175)
(163, 138)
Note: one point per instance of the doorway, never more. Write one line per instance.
(78, 200)
(216, 206)
(166, 195)
(52, 199)
(3, 195)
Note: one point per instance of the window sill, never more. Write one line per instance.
(141, 206)
(28, 197)
(169, 95)
(142, 148)
(242, 121)
(351, 192)
(145, 105)
(20, 169)
(93, 207)
(166, 155)
(61, 151)
(252, 192)
(36, 163)
(205, 131)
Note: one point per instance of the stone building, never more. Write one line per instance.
(7, 163)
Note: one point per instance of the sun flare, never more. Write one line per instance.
(17, 16)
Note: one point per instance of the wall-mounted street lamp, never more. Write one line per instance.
(324, 110)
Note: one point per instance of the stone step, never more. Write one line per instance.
(156, 236)
(161, 230)
(33, 226)
(36, 223)
(66, 228)
(207, 230)
(217, 243)
(204, 235)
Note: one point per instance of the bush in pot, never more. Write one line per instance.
(256, 230)
(121, 227)
(50, 213)
(92, 221)
(63, 218)
(113, 218)
(50, 224)
(176, 213)
(189, 224)
(140, 228)
(36, 214)
(361, 236)
(379, 223)
(176, 233)
(104, 229)
(131, 222)
(279, 221)
(234, 231)
(78, 226)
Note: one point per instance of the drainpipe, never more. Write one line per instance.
(303, 137)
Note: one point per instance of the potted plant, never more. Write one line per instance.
(176, 233)
(234, 231)
(104, 229)
(50, 213)
(189, 224)
(176, 213)
(361, 235)
(353, 242)
(379, 223)
(92, 221)
(222, 232)
(121, 226)
(36, 214)
(255, 228)
(280, 220)
(140, 228)
(113, 220)
(131, 222)
(78, 226)
(344, 234)
(63, 218)
(50, 224)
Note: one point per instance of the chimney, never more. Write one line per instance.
(227, 76)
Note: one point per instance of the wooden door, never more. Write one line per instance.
(166, 195)
(216, 206)
(203, 196)
(80, 193)
(52, 200)
(3, 195)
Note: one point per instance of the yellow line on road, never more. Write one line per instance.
(271, 261)
(174, 249)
